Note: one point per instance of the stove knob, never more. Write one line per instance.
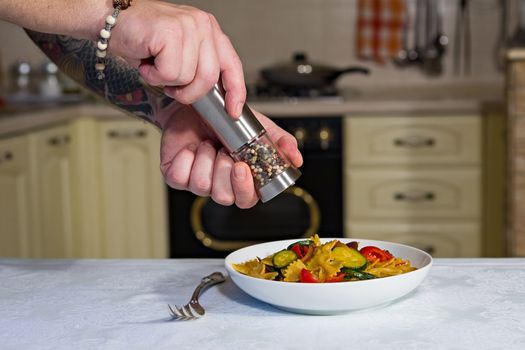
(324, 138)
(300, 136)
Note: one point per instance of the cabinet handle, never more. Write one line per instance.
(8, 155)
(415, 142)
(115, 134)
(59, 140)
(141, 133)
(414, 196)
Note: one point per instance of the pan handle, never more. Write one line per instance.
(361, 70)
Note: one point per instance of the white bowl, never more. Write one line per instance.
(329, 298)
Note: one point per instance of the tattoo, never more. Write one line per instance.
(122, 85)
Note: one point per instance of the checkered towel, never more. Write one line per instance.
(380, 26)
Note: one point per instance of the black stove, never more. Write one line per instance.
(266, 92)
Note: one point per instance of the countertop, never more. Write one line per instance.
(354, 101)
(392, 100)
(121, 304)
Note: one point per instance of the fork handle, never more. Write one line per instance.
(207, 281)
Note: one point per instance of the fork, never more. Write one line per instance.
(193, 309)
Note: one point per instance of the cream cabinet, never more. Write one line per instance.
(133, 214)
(16, 214)
(52, 192)
(421, 193)
(415, 180)
(88, 188)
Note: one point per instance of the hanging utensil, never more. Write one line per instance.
(462, 39)
(402, 59)
(420, 28)
(441, 40)
(408, 54)
(433, 51)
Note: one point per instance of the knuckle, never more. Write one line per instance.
(176, 179)
(201, 185)
(200, 18)
(204, 19)
(185, 78)
(188, 21)
(211, 18)
(171, 75)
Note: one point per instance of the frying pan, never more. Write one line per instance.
(301, 73)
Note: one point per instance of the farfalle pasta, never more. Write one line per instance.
(310, 261)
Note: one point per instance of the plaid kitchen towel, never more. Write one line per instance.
(380, 25)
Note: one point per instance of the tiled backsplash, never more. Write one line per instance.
(268, 31)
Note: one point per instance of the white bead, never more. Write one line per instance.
(102, 46)
(100, 66)
(111, 20)
(105, 33)
(101, 54)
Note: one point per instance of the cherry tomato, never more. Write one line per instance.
(372, 253)
(337, 278)
(297, 250)
(308, 277)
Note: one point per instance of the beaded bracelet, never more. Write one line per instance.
(105, 35)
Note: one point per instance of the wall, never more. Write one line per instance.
(265, 32)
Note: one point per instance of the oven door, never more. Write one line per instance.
(202, 228)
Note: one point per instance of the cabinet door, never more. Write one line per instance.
(399, 140)
(427, 193)
(441, 240)
(52, 180)
(15, 206)
(133, 192)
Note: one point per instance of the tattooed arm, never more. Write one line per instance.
(189, 159)
(122, 87)
(177, 46)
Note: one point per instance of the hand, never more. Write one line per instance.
(182, 48)
(190, 160)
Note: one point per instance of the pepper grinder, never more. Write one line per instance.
(246, 140)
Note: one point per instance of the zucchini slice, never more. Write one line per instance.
(360, 275)
(284, 258)
(350, 257)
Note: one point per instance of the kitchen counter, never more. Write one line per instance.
(17, 121)
(391, 100)
(122, 304)
(354, 101)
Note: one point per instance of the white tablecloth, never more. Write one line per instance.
(121, 304)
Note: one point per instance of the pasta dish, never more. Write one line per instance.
(309, 261)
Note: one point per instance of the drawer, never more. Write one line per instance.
(413, 140)
(413, 194)
(439, 240)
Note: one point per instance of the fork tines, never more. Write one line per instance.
(183, 313)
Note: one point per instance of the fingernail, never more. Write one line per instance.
(239, 172)
(238, 109)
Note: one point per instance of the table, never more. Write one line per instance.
(121, 304)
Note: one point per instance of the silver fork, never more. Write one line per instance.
(193, 309)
